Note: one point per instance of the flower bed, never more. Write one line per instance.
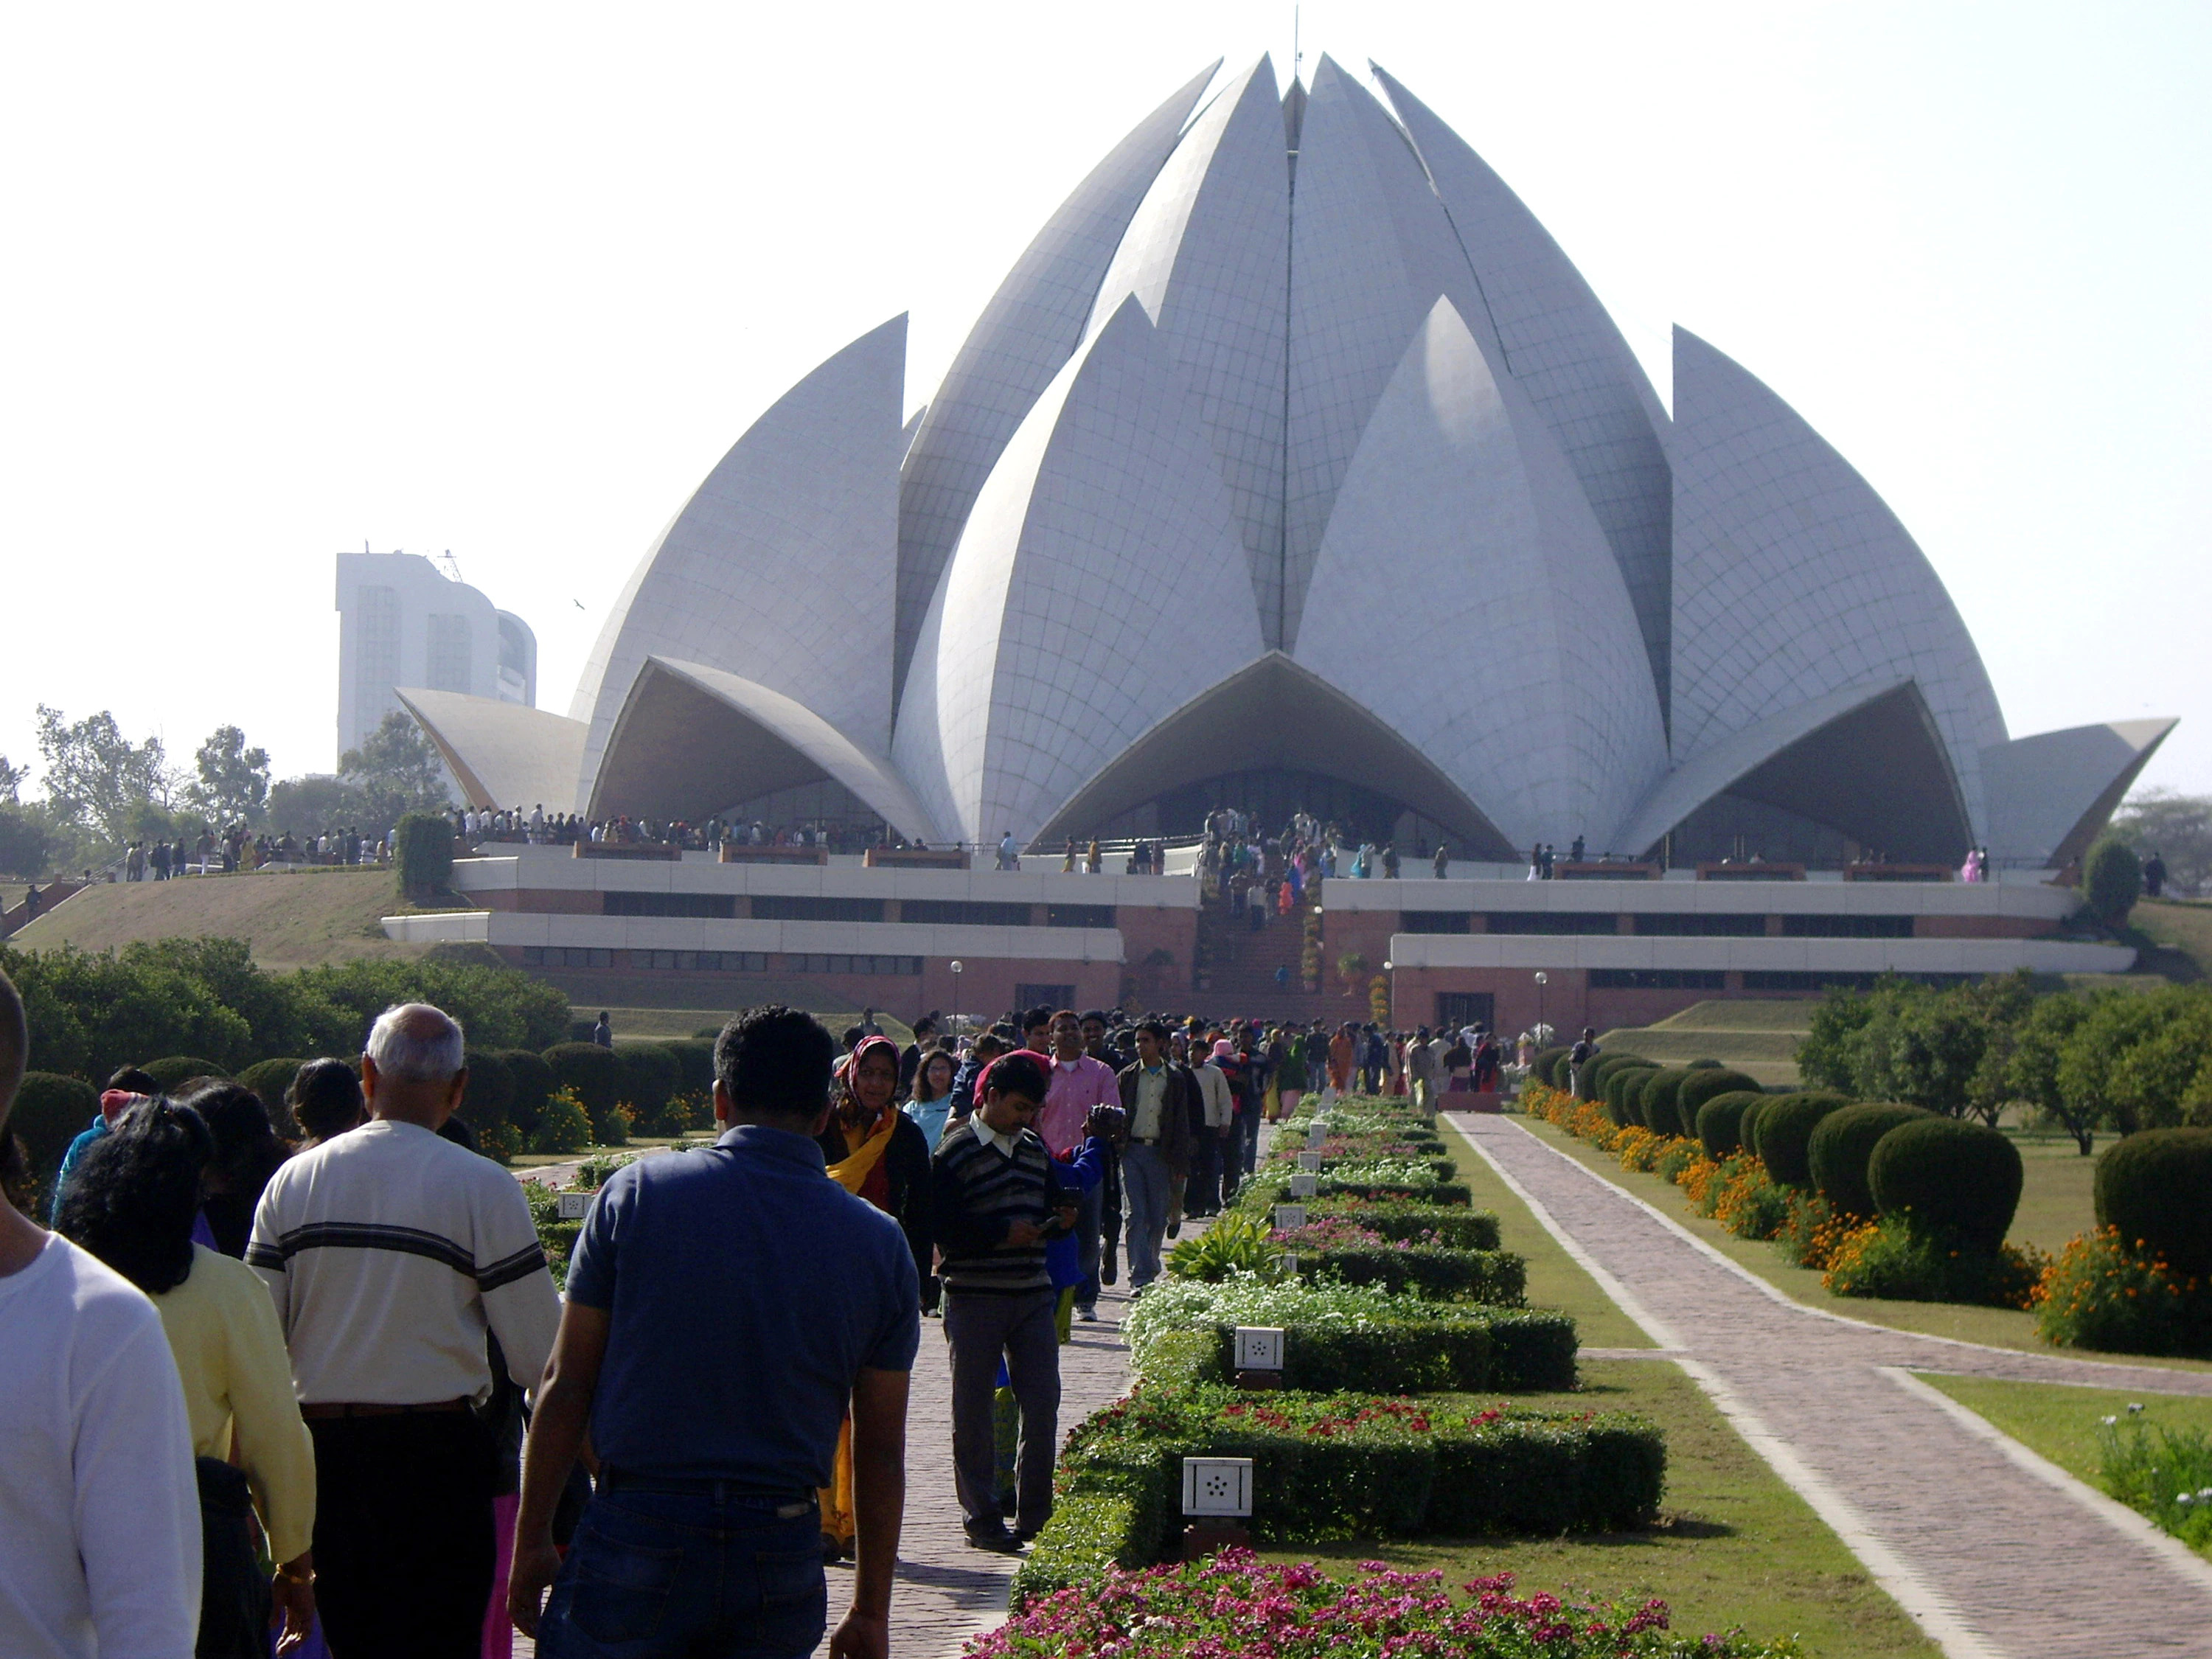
(1235, 1604)
(1431, 1271)
(1340, 1335)
(1340, 1466)
(1394, 1219)
(2108, 1292)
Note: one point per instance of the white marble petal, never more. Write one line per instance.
(1465, 593)
(502, 754)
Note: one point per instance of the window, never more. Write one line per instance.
(376, 654)
(569, 956)
(1847, 927)
(1078, 915)
(783, 907)
(818, 962)
(964, 912)
(1433, 922)
(1458, 1008)
(446, 658)
(1553, 921)
(1696, 927)
(1048, 996)
(720, 906)
(1658, 979)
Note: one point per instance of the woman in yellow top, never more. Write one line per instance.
(875, 1149)
(132, 1203)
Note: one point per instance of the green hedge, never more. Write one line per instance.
(50, 1111)
(2155, 1186)
(1622, 1095)
(1545, 1068)
(1658, 1096)
(269, 1079)
(489, 1097)
(1452, 1469)
(1952, 1178)
(651, 1075)
(694, 1059)
(1432, 1272)
(1471, 1349)
(1459, 1230)
(1720, 1121)
(1842, 1146)
(562, 1127)
(1598, 1072)
(422, 844)
(594, 1074)
(533, 1086)
(1707, 1082)
(1785, 1128)
(173, 1072)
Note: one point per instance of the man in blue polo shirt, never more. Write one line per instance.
(725, 1307)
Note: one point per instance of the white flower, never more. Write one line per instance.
(2109, 1422)
(2185, 1498)
(2135, 1410)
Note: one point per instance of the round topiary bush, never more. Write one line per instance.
(1655, 1100)
(50, 1111)
(490, 1091)
(1720, 1121)
(1544, 1068)
(2156, 1187)
(1747, 1127)
(1599, 1070)
(269, 1079)
(695, 1058)
(533, 1086)
(1621, 1095)
(1703, 1084)
(1840, 1148)
(2112, 881)
(1785, 1126)
(1946, 1176)
(173, 1072)
(650, 1077)
(590, 1072)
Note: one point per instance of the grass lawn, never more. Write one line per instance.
(1734, 1546)
(1554, 1279)
(2060, 1422)
(662, 1022)
(2181, 935)
(1759, 1038)
(292, 920)
(2000, 1328)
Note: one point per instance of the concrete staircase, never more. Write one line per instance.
(1235, 970)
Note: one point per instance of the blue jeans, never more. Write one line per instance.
(719, 1573)
(1146, 1189)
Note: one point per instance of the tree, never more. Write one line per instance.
(396, 771)
(1826, 1055)
(96, 778)
(2112, 881)
(314, 803)
(2031, 1071)
(2178, 828)
(12, 779)
(26, 847)
(232, 782)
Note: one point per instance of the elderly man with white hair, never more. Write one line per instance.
(390, 1251)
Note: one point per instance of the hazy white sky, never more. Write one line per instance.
(509, 280)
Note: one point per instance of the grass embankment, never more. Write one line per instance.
(2176, 940)
(1759, 1038)
(2054, 1206)
(662, 1022)
(2059, 1421)
(298, 919)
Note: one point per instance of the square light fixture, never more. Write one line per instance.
(573, 1206)
(1289, 1218)
(1304, 1186)
(1217, 1485)
(1311, 1161)
(1259, 1348)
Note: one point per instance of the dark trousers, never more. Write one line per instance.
(714, 1574)
(233, 1591)
(982, 1329)
(404, 1546)
(1090, 1235)
(1202, 1196)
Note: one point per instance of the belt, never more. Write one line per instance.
(322, 1410)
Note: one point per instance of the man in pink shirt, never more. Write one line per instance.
(1078, 1083)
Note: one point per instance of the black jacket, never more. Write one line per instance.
(906, 1161)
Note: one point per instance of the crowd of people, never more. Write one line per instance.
(228, 850)
(312, 1377)
(474, 826)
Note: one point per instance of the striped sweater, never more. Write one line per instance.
(977, 1192)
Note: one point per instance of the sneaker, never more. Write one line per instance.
(995, 1538)
(1088, 1316)
(1174, 1229)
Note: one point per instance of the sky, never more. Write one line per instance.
(283, 281)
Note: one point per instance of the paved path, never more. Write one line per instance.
(1992, 1556)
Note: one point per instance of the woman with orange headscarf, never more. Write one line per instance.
(875, 1149)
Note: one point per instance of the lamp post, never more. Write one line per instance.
(1542, 980)
(956, 966)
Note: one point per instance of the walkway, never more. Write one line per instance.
(1994, 1559)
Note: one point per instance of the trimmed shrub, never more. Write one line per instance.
(1599, 1070)
(50, 1111)
(1470, 1352)
(1842, 1146)
(1622, 1095)
(269, 1078)
(591, 1074)
(1903, 1261)
(1785, 1128)
(1655, 1100)
(2112, 881)
(1747, 1128)
(1720, 1121)
(1541, 1068)
(650, 1077)
(1497, 1277)
(563, 1126)
(2102, 1293)
(695, 1060)
(2155, 1186)
(490, 1092)
(1703, 1084)
(533, 1086)
(173, 1072)
(424, 845)
(1416, 1223)
(1948, 1176)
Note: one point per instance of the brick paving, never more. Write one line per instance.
(1991, 1559)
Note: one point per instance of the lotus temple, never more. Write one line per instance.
(1292, 467)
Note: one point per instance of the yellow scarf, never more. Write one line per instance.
(852, 1171)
